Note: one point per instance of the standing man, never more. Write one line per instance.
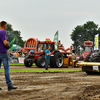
(3, 54)
(47, 57)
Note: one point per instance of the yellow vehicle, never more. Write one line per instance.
(90, 67)
(70, 61)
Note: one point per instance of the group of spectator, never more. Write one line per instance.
(17, 53)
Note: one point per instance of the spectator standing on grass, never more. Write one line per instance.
(3, 54)
(47, 57)
(25, 53)
(11, 53)
(20, 53)
(17, 54)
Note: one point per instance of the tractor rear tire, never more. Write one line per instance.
(41, 62)
(87, 58)
(28, 62)
(57, 60)
(95, 57)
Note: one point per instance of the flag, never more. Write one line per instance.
(96, 45)
(56, 40)
(11, 43)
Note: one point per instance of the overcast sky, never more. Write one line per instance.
(42, 18)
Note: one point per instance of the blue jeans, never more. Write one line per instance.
(47, 62)
(5, 61)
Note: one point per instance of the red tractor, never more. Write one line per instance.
(36, 53)
(88, 48)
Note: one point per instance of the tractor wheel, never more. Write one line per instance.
(95, 57)
(87, 58)
(41, 62)
(28, 62)
(57, 60)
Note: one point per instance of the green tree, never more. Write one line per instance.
(14, 34)
(84, 32)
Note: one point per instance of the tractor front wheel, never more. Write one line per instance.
(28, 62)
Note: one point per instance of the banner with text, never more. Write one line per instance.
(96, 44)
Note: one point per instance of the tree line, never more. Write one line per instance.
(11, 33)
(81, 33)
(84, 32)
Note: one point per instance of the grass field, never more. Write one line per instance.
(36, 70)
(41, 70)
(17, 64)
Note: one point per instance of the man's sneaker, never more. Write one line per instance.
(11, 87)
(0, 88)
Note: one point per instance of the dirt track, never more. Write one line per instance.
(52, 86)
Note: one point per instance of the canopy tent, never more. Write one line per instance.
(15, 47)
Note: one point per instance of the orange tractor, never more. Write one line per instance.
(37, 50)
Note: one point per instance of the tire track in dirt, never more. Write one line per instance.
(52, 86)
